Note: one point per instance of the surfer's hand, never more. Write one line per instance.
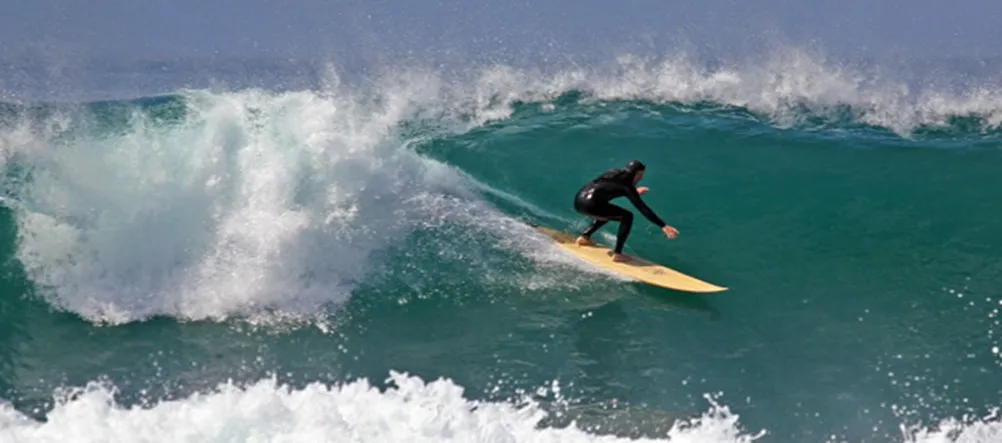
(670, 231)
(641, 190)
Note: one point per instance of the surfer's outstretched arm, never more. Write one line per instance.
(634, 197)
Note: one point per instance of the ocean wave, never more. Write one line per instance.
(207, 205)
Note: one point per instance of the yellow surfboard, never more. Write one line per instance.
(637, 268)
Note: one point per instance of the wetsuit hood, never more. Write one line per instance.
(624, 176)
(635, 166)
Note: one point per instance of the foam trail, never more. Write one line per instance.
(411, 410)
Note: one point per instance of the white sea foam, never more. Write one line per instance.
(411, 410)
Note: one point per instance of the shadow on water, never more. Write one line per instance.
(653, 297)
(665, 299)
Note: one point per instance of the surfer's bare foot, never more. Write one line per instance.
(621, 257)
(584, 241)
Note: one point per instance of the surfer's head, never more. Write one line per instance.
(635, 169)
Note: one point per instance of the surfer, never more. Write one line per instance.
(593, 201)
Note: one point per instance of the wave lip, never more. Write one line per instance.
(789, 87)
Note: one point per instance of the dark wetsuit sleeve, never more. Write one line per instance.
(634, 197)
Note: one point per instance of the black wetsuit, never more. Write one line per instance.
(593, 200)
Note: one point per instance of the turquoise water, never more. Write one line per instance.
(242, 264)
